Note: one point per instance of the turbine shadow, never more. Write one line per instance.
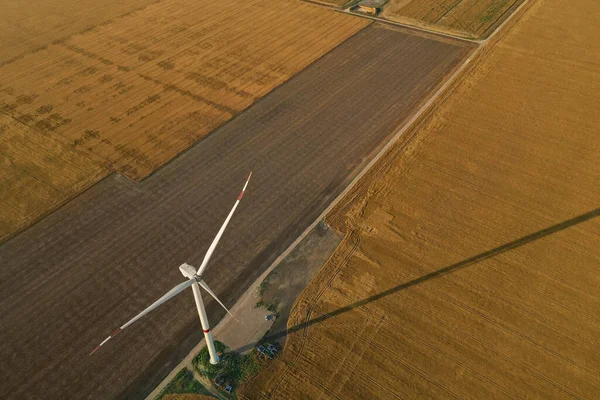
(436, 274)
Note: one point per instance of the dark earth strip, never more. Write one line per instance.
(75, 276)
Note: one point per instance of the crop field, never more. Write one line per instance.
(130, 94)
(45, 173)
(29, 26)
(116, 247)
(471, 265)
(473, 19)
(469, 18)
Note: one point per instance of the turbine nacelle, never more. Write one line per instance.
(188, 271)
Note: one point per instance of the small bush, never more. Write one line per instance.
(264, 285)
(220, 347)
(233, 367)
(238, 367)
(272, 308)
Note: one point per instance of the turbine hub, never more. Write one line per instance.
(187, 270)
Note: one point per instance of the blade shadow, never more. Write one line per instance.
(436, 274)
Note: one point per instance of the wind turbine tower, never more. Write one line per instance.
(195, 281)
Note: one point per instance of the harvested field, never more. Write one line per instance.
(471, 264)
(117, 246)
(468, 18)
(29, 26)
(136, 91)
(37, 173)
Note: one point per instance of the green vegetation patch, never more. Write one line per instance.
(184, 382)
(272, 307)
(233, 368)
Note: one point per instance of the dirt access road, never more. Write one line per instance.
(79, 273)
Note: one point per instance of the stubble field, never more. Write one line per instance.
(471, 263)
(38, 173)
(29, 26)
(130, 94)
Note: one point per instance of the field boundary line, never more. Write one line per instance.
(238, 115)
(321, 3)
(514, 9)
(407, 26)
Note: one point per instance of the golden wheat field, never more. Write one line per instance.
(471, 265)
(131, 93)
(469, 18)
(38, 173)
(29, 26)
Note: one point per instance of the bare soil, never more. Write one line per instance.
(470, 267)
(76, 275)
(285, 283)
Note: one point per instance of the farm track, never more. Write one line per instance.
(477, 237)
(117, 246)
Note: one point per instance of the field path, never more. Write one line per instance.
(73, 277)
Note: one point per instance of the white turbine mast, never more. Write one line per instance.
(195, 281)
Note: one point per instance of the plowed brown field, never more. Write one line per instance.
(132, 93)
(468, 18)
(471, 264)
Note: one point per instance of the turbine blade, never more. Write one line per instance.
(167, 296)
(205, 287)
(215, 241)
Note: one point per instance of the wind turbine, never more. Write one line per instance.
(195, 281)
